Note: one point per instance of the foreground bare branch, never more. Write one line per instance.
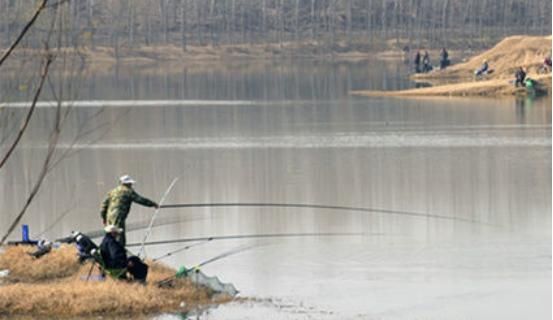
(24, 125)
(25, 29)
(43, 172)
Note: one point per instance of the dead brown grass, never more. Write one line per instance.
(25, 268)
(65, 293)
(504, 58)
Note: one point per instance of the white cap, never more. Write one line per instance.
(111, 228)
(126, 179)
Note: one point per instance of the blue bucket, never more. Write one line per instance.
(25, 233)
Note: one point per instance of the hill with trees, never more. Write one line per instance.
(333, 25)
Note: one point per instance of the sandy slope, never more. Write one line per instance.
(504, 59)
(494, 87)
(510, 53)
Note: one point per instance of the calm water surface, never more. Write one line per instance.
(288, 132)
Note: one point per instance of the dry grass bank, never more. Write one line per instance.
(24, 268)
(504, 58)
(508, 55)
(103, 59)
(54, 286)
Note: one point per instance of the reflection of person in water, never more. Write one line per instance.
(422, 85)
(519, 109)
(406, 51)
(522, 104)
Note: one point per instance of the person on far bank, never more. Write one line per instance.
(417, 62)
(520, 75)
(426, 66)
(117, 205)
(547, 64)
(484, 69)
(444, 59)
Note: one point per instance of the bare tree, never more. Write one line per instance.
(23, 32)
(48, 59)
(55, 56)
(189, 22)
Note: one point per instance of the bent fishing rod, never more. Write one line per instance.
(251, 236)
(202, 242)
(171, 253)
(149, 230)
(203, 263)
(319, 206)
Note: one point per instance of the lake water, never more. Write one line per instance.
(288, 132)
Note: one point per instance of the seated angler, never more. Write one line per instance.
(113, 254)
(483, 68)
(547, 64)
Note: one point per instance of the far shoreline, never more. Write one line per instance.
(168, 58)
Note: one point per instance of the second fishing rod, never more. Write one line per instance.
(325, 207)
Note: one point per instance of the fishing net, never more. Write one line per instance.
(199, 278)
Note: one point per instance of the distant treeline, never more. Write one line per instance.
(130, 23)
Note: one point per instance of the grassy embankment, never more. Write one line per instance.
(54, 286)
(172, 58)
(504, 58)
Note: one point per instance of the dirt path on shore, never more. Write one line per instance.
(495, 87)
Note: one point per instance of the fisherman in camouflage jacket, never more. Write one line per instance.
(117, 205)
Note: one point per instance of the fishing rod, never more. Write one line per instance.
(251, 236)
(224, 255)
(201, 264)
(53, 224)
(181, 249)
(154, 217)
(139, 225)
(318, 206)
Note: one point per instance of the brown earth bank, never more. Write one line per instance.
(99, 56)
(504, 59)
(172, 58)
(55, 286)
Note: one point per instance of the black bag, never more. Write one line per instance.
(137, 268)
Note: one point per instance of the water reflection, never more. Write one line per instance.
(290, 133)
(258, 80)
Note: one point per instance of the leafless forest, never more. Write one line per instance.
(133, 23)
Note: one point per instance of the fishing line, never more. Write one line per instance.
(318, 206)
(143, 224)
(139, 225)
(181, 249)
(252, 236)
(58, 219)
(224, 255)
